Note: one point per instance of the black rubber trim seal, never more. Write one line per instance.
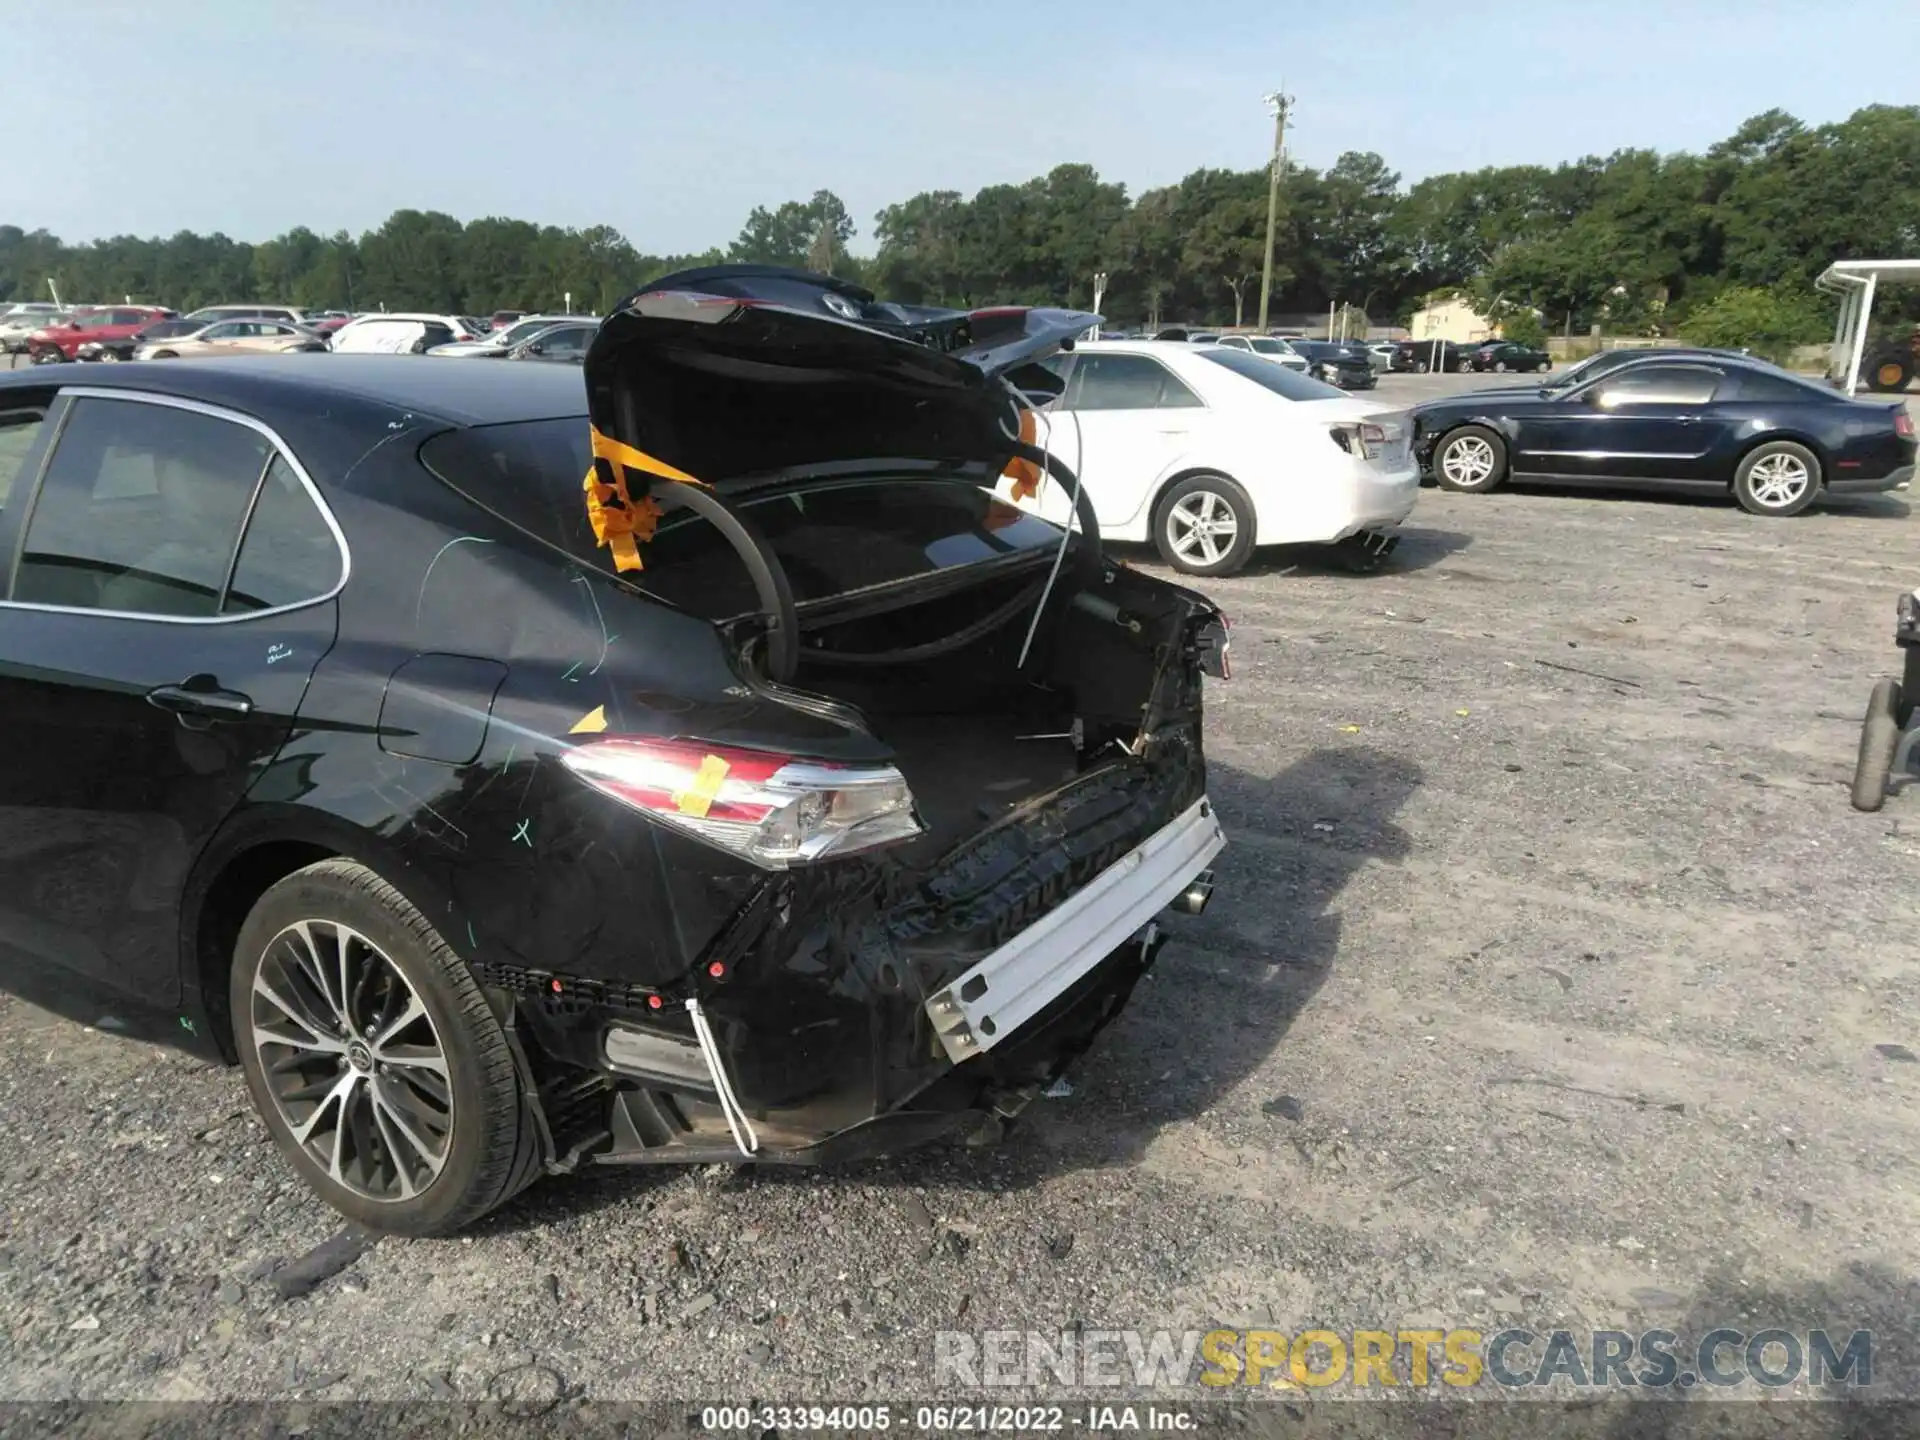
(769, 577)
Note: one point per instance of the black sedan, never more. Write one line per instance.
(1501, 356)
(1705, 423)
(1421, 356)
(496, 826)
(1345, 363)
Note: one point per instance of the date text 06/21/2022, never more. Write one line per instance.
(1017, 1419)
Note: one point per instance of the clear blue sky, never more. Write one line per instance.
(671, 120)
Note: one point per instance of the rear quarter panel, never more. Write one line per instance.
(460, 789)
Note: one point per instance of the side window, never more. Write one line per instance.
(1126, 382)
(568, 342)
(139, 510)
(19, 429)
(1775, 389)
(1658, 385)
(288, 554)
(225, 330)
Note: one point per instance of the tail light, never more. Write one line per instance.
(1903, 424)
(1361, 439)
(1212, 642)
(772, 809)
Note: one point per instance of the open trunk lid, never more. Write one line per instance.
(829, 377)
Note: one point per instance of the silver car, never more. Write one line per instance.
(1271, 346)
(17, 325)
(495, 344)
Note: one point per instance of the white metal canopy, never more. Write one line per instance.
(1855, 282)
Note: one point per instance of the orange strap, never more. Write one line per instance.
(619, 521)
(1024, 473)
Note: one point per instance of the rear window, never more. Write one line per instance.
(1288, 384)
(831, 537)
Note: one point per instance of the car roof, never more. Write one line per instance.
(1142, 347)
(456, 394)
(413, 315)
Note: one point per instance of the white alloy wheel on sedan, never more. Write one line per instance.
(1777, 478)
(1205, 526)
(1471, 458)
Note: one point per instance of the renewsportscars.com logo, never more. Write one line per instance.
(1515, 1359)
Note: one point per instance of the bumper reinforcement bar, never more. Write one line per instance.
(1018, 981)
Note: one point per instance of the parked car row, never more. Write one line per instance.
(1421, 356)
(119, 333)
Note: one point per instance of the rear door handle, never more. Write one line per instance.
(202, 701)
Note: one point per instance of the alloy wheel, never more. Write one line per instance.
(353, 1061)
(1201, 527)
(1468, 461)
(1778, 480)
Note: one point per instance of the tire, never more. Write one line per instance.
(163, 355)
(339, 915)
(1891, 373)
(1779, 478)
(1499, 367)
(109, 357)
(1462, 367)
(1189, 498)
(49, 356)
(1419, 367)
(1879, 737)
(1478, 456)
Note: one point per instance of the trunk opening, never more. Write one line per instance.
(913, 597)
(975, 736)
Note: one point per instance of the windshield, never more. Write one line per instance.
(1588, 367)
(1287, 384)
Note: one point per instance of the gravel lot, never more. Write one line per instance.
(1550, 981)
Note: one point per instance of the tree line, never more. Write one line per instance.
(1635, 241)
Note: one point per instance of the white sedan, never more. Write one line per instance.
(407, 333)
(1208, 451)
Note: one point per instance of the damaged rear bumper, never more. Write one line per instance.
(891, 1019)
(1016, 982)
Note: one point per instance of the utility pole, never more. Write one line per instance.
(1278, 103)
